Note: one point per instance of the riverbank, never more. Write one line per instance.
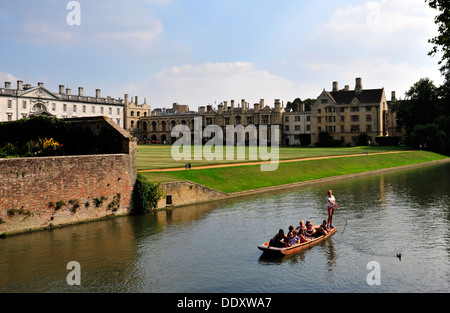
(246, 178)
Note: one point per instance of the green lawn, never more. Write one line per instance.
(234, 179)
(159, 156)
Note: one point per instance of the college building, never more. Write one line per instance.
(24, 100)
(344, 114)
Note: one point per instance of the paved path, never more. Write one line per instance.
(201, 167)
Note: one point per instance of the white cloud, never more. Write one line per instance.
(211, 83)
(7, 77)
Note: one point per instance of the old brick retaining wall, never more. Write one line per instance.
(41, 192)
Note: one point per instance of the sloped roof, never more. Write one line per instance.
(365, 96)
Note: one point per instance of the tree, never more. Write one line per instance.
(441, 43)
(420, 106)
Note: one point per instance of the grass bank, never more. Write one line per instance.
(248, 177)
(151, 157)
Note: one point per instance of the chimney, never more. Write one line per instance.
(335, 86)
(40, 84)
(80, 91)
(347, 88)
(19, 85)
(358, 87)
(261, 104)
(61, 89)
(220, 108)
(97, 93)
(68, 91)
(257, 107)
(277, 105)
(136, 100)
(393, 97)
(8, 85)
(201, 110)
(243, 104)
(232, 105)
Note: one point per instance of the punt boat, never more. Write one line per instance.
(296, 248)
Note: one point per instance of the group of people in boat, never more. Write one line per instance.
(302, 233)
(305, 232)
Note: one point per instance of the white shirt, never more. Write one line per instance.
(332, 200)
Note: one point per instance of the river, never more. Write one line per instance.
(212, 248)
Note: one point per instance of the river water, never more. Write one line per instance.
(213, 248)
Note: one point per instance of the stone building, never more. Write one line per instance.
(133, 111)
(25, 100)
(297, 127)
(345, 113)
(158, 126)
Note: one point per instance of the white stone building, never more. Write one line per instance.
(23, 101)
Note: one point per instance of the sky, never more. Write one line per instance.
(200, 52)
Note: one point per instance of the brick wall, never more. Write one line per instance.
(31, 190)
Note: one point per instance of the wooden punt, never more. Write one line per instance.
(297, 248)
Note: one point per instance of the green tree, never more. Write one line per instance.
(420, 106)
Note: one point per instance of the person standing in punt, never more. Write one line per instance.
(331, 204)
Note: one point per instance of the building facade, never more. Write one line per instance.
(297, 127)
(24, 101)
(345, 114)
(158, 127)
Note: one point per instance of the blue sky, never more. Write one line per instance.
(200, 52)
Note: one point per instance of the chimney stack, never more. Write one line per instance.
(40, 84)
(80, 91)
(8, 85)
(335, 86)
(19, 85)
(68, 91)
(347, 88)
(393, 97)
(61, 89)
(97, 93)
(358, 87)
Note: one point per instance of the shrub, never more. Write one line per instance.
(145, 196)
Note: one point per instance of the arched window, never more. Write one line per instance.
(132, 113)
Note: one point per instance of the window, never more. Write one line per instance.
(286, 118)
(369, 128)
(354, 128)
(297, 128)
(74, 108)
(324, 101)
(286, 128)
(368, 109)
(118, 112)
(342, 129)
(110, 111)
(368, 118)
(342, 118)
(9, 104)
(265, 119)
(354, 118)
(319, 120)
(101, 110)
(319, 111)
(93, 109)
(308, 127)
(297, 118)
(53, 106)
(354, 109)
(342, 110)
(24, 104)
(227, 121)
(308, 118)
(65, 107)
(84, 109)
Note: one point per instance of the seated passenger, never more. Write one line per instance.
(295, 239)
(279, 240)
(322, 230)
(310, 230)
(301, 227)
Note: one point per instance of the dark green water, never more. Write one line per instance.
(213, 248)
